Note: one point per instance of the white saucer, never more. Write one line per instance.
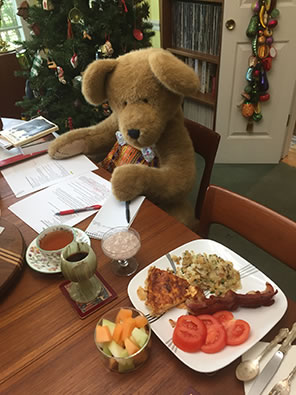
(42, 263)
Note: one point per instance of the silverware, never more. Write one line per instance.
(248, 370)
(283, 387)
(153, 318)
(272, 366)
(172, 263)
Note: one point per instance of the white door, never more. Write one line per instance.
(266, 142)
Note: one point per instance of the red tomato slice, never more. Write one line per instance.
(208, 320)
(189, 334)
(237, 332)
(223, 316)
(215, 340)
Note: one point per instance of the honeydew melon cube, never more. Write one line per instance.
(139, 336)
(116, 350)
(124, 366)
(105, 348)
(111, 325)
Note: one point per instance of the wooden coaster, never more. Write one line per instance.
(12, 251)
(85, 309)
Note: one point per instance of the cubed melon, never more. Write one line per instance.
(139, 336)
(117, 333)
(117, 351)
(131, 347)
(123, 314)
(103, 334)
(128, 326)
(110, 324)
(140, 321)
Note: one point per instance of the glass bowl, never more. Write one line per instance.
(113, 357)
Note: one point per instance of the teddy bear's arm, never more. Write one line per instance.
(90, 140)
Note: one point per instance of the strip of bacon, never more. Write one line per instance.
(230, 301)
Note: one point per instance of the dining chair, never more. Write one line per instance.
(205, 142)
(265, 228)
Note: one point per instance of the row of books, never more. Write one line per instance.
(197, 26)
(22, 140)
(199, 113)
(206, 72)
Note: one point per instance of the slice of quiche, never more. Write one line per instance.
(164, 290)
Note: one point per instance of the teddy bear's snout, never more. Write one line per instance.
(134, 133)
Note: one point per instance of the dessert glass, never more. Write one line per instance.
(121, 245)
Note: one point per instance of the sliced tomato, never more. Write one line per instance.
(215, 340)
(223, 316)
(190, 333)
(237, 332)
(208, 320)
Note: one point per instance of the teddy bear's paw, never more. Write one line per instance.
(127, 183)
(60, 150)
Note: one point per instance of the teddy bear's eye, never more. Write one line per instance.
(145, 100)
(124, 103)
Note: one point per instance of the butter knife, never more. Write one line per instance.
(273, 365)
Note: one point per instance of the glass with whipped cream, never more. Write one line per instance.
(121, 244)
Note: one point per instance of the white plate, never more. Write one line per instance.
(261, 319)
(40, 262)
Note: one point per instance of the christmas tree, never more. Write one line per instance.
(67, 35)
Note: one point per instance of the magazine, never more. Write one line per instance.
(26, 132)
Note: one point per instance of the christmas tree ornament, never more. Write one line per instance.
(47, 5)
(260, 32)
(86, 34)
(106, 49)
(37, 63)
(23, 59)
(76, 82)
(28, 91)
(60, 74)
(74, 60)
(69, 30)
(75, 15)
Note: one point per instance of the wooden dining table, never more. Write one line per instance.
(47, 349)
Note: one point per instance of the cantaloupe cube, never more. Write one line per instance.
(123, 314)
(128, 326)
(130, 346)
(117, 333)
(141, 321)
(103, 334)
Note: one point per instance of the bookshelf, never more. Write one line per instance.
(192, 30)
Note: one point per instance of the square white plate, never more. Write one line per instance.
(261, 319)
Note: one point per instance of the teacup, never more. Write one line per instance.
(52, 240)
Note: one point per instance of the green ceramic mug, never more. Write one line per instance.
(79, 264)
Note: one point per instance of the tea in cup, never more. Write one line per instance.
(53, 239)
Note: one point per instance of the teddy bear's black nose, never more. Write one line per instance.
(133, 133)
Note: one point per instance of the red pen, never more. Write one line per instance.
(79, 210)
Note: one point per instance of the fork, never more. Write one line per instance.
(283, 387)
(153, 318)
(169, 343)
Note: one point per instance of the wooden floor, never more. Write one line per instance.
(290, 159)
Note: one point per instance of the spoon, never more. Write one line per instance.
(283, 387)
(248, 370)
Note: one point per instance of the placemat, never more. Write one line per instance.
(85, 309)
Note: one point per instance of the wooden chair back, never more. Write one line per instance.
(267, 229)
(205, 142)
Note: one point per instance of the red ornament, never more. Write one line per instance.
(267, 62)
(256, 73)
(264, 97)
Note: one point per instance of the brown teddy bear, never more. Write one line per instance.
(151, 151)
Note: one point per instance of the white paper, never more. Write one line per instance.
(43, 171)
(38, 210)
(111, 215)
(285, 368)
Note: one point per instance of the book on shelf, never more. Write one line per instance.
(12, 155)
(26, 132)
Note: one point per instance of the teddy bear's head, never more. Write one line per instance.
(144, 88)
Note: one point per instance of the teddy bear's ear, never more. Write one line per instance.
(174, 74)
(93, 80)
